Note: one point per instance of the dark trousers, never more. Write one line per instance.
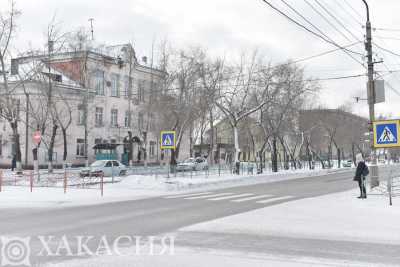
(362, 187)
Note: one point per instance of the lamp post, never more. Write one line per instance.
(371, 98)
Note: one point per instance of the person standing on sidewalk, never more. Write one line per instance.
(361, 172)
(13, 162)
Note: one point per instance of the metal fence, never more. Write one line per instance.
(246, 168)
(389, 182)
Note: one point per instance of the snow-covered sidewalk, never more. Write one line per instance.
(340, 216)
(200, 257)
(137, 187)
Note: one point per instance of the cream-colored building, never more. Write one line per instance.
(114, 86)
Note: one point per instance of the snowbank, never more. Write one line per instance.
(136, 187)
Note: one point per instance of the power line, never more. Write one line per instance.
(257, 82)
(392, 88)
(386, 29)
(299, 60)
(312, 32)
(348, 13)
(333, 26)
(388, 38)
(354, 10)
(386, 50)
(324, 53)
(337, 21)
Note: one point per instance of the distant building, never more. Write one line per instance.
(335, 126)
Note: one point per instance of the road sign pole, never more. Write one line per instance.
(371, 98)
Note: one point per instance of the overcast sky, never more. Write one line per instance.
(227, 27)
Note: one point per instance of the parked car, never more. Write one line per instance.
(347, 163)
(194, 164)
(104, 167)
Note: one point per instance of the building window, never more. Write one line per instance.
(81, 115)
(99, 117)
(114, 85)
(152, 148)
(114, 117)
(141, 90)
(127, 86)
(127, 119)
(80, 147)
(140, 121)
(99, 82)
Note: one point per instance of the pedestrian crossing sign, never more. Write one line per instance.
(386, 133)
(168, 139)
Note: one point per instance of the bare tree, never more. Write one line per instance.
(286, 98)
(236, 97)
(8, 102)
(211, 77)
(176, 104)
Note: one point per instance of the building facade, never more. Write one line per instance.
(104, 94)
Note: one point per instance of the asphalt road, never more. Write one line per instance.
(159, 215)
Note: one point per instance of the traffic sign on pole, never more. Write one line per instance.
(386, 133)
(37, 137)
(168, 139)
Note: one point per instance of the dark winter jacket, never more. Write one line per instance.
(362, 170)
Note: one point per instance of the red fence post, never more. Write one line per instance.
(31, 180)
(102, 184)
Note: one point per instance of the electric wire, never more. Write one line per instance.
(327, 21)
(314, 33)
(337, 21)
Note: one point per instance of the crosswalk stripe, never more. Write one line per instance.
(207, 196)
(274, 199)
(189, 195)
(230, 197)
(251, 198)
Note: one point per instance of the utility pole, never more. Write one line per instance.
(371, 99)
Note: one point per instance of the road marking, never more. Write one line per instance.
(229, 197)
(274, 199)
(251, 198)
(189, 195)
(207, 196)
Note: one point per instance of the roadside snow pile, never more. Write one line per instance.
(215, 181)
(134, 187)
(338, 216)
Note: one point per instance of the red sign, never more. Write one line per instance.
(37, 137)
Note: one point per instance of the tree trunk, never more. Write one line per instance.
(211, 152)
(65, 153)
(353, 153)
(191, 140)
(51, 148)
(14, 127)
(237, 149)
(130, 148)
(309, 156)
(274, 155)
